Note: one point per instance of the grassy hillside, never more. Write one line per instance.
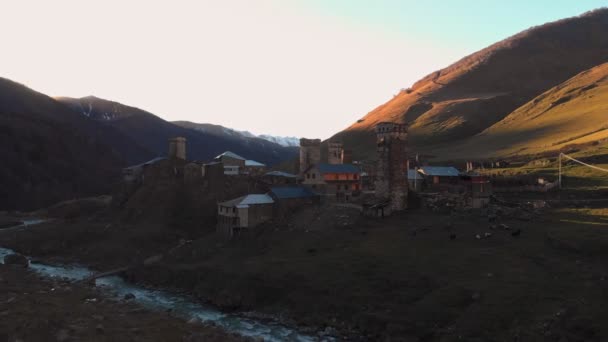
(572, 113)
(466, 98)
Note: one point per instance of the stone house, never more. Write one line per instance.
(292, 197)
(334, 181)
(135, 173)
(232, 162)
(436, 176)
(240, 215)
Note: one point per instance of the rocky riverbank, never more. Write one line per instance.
(34, 308)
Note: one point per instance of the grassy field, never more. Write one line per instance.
(400, 278)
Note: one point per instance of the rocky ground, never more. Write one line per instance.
(431, 274)
(38, 309)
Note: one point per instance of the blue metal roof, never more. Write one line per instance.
(250, 162)
(280, 174)
(441, 171)
(292, 192)
(338, 168)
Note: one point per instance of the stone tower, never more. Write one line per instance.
(334, 153)
(391, 180)
(347, 156)
(177, 148)
(310, 153)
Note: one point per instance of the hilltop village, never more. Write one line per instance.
(391, 184)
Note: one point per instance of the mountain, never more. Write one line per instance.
(471, 95)
(283, 141)
(50, 152)
(572, 113)
(151, 132)
(242, 135)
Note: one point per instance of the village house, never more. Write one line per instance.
(290, 198)
(135, 173)
(436, 176)
(254, 168)
(339, 181)
(239, 215)
(232, 162)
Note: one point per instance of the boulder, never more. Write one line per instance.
(16, 259)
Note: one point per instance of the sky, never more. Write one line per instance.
(305, 68)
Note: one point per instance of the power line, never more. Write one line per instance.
(577, 161)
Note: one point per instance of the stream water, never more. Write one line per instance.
(181, 306)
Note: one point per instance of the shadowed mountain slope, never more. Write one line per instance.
(152, 132)
(50, 152)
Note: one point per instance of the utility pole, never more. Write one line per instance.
(559, 182)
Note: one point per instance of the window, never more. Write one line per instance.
(314, 175)
(234, 210)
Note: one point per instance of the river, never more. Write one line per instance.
(181, 306)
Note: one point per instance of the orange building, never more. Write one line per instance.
(339, 181)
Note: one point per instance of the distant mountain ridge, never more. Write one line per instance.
(58, 149)
(454, 104)
(225, 131)
(152, 133)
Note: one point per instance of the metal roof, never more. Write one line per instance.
(280, 174)
(445, 171)
(149, 162)
(338, 168)
(245, 201)
(229, 154)
(253, 163)
(285, 192)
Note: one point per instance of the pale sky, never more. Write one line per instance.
(283, 67)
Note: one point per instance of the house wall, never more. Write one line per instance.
(258, 213)
(227, 219)
(226, 160)
(193, 172)
(255, 170)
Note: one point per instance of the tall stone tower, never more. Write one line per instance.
(177, 148)
(334, 153)
(347, 156)
(391, 180)
(310, 153)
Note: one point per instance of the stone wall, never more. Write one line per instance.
(334, 153)
(310, 153)
(391, 169)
